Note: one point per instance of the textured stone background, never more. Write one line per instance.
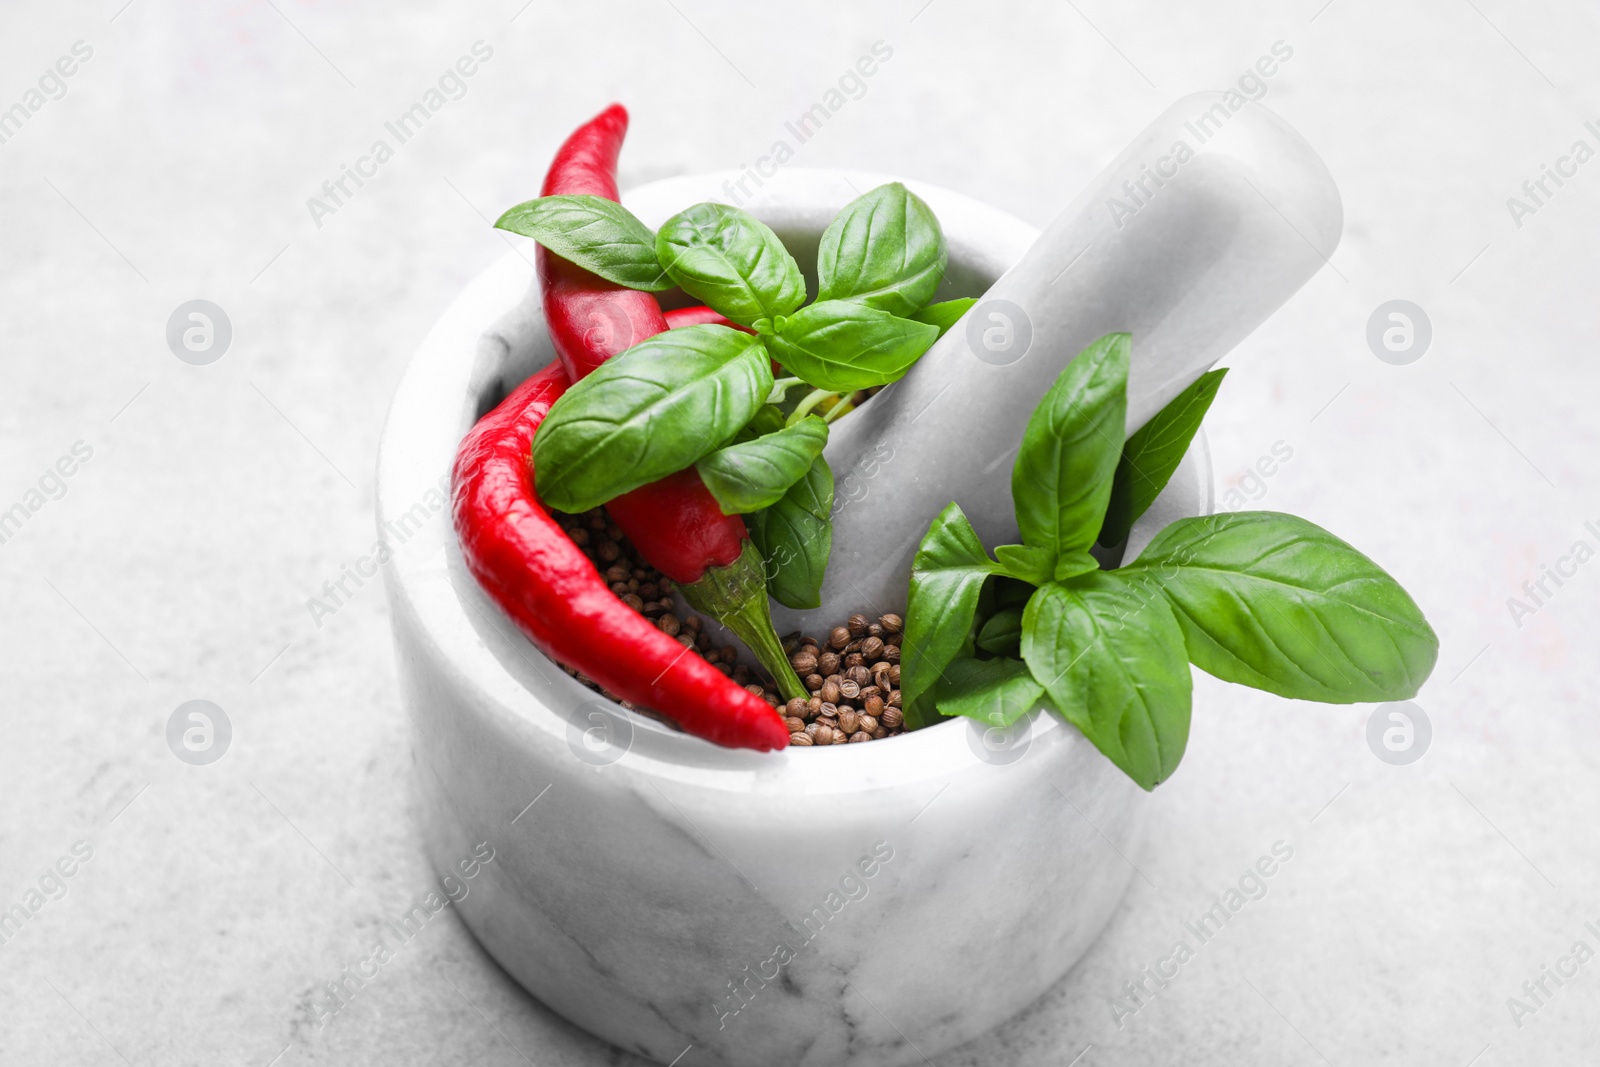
(178, 563)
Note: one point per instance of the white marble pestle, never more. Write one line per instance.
(1194, 235)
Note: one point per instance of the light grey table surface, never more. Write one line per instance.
(177, 562)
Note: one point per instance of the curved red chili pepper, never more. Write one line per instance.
(528, 565)
(590, 321)
(676, 523)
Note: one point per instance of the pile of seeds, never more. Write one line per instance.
(854, 681)
(649, 592)
(853, 675)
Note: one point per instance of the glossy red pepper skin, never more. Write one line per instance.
(700, 316)
(591, 319)
(527, 564)
(676, 523)
(678, 526)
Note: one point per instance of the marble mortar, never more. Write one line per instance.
(857, 905)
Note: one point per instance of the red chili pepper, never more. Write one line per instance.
(528, 565)
(700, 316)
(675, 523)
(591, 319)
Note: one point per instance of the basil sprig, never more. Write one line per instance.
(1001, 634)
(1061, 480)
(947, 314)
(1113, 663)
(795, 536)
(1278, 603)
(997, 692)
(750, 475)
(649, 412)
(597, 234)
(732, 262)
(1259, 598)
(843, 346)
(884, 250)
(947, 575)
(1153, 453)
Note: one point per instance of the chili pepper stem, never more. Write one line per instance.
(736, 596)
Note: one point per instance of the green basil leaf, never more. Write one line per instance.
(996, 692)
(1073, 564)
(795, 536)
(843, 346)
(1036, 566)
(1002, 634)
(649, 412)
(1111, 657)
(947, 576)
(731, 261)
(597, 234)
(1153, 453)
(947, 314)
(885, 250)
(769, 419)
(751, 475)
(1278, 603)
(1062, 478)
